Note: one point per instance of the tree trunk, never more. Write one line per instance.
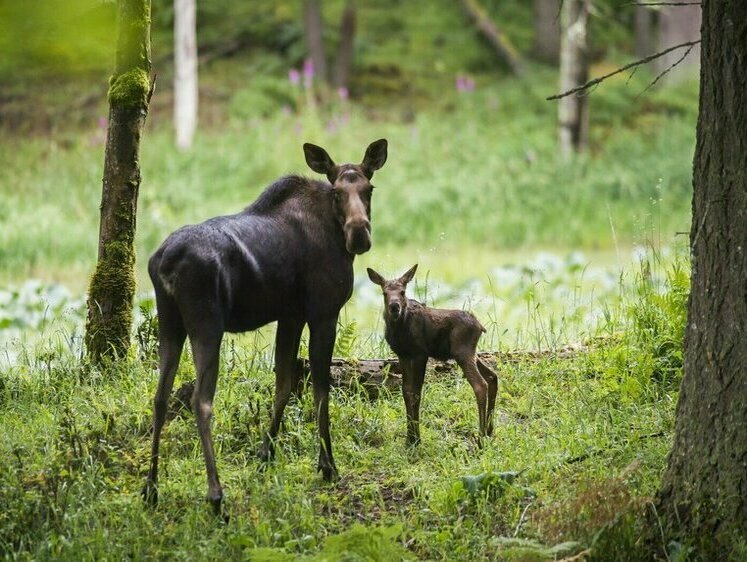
(113, 283)
(573, 112)
(703, 495)
(185, 72)
(312, 13)
(501, 45)
(546, 46)
(345, 52)
(645, 19)
(678, 24)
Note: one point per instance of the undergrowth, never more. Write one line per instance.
(579, 446)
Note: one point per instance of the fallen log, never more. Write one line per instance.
(490, 31)
(373, 375)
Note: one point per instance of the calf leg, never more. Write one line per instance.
(321, 344)
(206, 351)
(492, 379)
(479, 386)
(287, 374)
(413, 374)
(171, 336)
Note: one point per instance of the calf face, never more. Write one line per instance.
(395, 301)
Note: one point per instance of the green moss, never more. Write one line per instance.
(129, 90)
(110, 297)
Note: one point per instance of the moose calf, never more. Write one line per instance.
(416, 332)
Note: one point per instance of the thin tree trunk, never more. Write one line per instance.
(678, 24)
(185, 72)
(494, 36)
(644, 31)
(546, 46)
(573, 112)
(313, 29)
(345, 52)
(703, 496)
(113, 283)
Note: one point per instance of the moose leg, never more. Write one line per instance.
(412, 387)
(479, 386)
(492, 379)
(206, 351)
(321, 344)
(171, 336)
(287, 339)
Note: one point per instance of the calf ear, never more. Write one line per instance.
(409, 274)
(375, 157)
(318, 159)
(375, 277)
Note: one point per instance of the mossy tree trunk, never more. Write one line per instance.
(112, 286)
(703, 496)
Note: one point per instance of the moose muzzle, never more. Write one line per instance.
(357, 236)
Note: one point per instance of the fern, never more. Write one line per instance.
(346, 339)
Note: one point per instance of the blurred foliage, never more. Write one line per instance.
(55, 37)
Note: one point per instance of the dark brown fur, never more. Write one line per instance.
(288, 257)
(416, 332)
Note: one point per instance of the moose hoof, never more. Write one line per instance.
(329, 473)
(265, 454)
(150, 494)
(216, 502)
(413, 441)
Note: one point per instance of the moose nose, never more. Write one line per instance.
(358, 236)
(394, 309)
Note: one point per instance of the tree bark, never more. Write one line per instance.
(345, 51)
(645, 19)
(313, 29)
(678, 24)
(546, 46)
(573, 112)
(703, 496)
(501, 45)
(185, 72)
(112, 286)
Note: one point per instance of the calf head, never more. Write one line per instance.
(395, 301)
(351, 190)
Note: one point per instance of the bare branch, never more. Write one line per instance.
(595, 81)
(666, 3)
(667, 71)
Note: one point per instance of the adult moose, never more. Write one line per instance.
(288, 257)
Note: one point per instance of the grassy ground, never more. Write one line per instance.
(578, 449)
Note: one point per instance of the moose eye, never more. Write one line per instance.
(338, 196)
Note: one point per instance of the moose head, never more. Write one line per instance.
(351, 190)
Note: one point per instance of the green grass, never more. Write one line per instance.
(587, 435)
(481, 172)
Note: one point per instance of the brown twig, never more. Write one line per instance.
(598, 80)
(666, 3)
(667, 70)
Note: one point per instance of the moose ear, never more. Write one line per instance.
(409, 274)
(318, 159)
(375, 157)
(375, 277)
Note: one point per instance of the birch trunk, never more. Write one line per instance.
(185, 72)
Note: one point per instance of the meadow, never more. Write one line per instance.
(547, 253)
